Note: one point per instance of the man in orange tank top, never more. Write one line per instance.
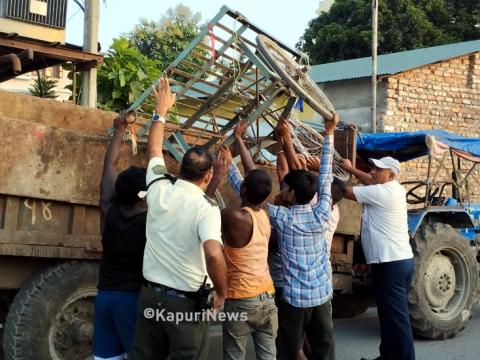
(250, 292)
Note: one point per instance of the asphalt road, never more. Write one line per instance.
(359, 337)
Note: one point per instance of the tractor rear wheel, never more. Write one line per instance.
(444, 288)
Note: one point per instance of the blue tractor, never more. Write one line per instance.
(443, 224)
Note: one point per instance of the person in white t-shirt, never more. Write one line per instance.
(386, 245)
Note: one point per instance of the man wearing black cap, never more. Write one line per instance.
(386, 245)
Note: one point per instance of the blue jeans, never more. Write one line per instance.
(391, 283)
(260, 313)
(115, 313)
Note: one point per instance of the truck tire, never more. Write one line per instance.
(444, 289)
(51, 318)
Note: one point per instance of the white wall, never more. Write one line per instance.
(22, 83)
(352, 100)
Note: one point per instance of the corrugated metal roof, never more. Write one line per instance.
(390, 63)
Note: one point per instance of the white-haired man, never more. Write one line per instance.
(386, 245)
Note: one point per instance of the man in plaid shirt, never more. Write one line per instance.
(305, 308)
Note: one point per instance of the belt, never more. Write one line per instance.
(263, 296)
(162, 289)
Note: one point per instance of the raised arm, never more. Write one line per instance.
(365, 178)
(322, 208)
(313, 163)
(221, 164)
(109, 175)
(282, 164)
(283, 129)
(247, 162)
(164, 100)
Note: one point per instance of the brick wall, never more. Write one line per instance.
(444, 96)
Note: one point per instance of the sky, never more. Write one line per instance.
(286, 20)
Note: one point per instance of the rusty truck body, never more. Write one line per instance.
(50, 243)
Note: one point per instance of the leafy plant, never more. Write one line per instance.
(124, 75)
(44, 88)
(165, 39)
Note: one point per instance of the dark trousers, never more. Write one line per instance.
(295, 323)
(391, 283)
(157, 339)
(114, 324)
(278, 295)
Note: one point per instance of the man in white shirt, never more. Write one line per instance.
(183, 251)
(386, 245)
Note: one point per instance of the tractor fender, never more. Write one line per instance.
(455, 216)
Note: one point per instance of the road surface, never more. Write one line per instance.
(359, 337)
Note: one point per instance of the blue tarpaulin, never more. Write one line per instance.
(405, 146)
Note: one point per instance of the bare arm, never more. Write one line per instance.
(291, 156)
(220, 168)
(365, 178)
(313, 163)
(247, 162)
(282, 164)
(164, 100)
(217, 270)
(213, 185)
(109, 175)
(350, 194)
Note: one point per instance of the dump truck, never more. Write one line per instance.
(50, 243)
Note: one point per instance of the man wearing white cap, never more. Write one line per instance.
(386, 245)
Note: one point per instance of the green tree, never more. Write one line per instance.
(124, 75)
(44, 88)
(465, 15)
(165, 39)
(344, 32)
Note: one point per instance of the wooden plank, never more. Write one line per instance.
(56, 252)
(11, 213)
(346, 143)
(61, 53)
(78, 220)
(338, 245)
(350, 217)
(45, 238)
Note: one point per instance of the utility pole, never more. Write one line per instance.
(374, 63)
(90, 44)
